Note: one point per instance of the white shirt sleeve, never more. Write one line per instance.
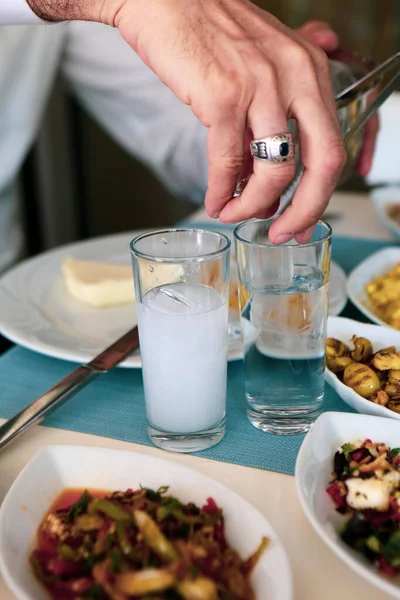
(17, 12)
(139, 111)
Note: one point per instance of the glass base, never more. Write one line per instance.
(285, 420)
(187, 442)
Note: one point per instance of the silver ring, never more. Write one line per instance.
(273, 148)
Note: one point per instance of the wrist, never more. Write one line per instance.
(103, 11)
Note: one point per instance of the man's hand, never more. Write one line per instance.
(243, 73)
(321, 34)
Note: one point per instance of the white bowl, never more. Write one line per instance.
(375, 265)
(58, 467)
(313, 473)
(381, 199)
(381, 337)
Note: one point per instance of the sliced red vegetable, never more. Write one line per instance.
(61, 566)
(386, 568)
(335, 492)
(211, 507)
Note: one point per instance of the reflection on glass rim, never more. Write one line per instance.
(290, 244)
(194, 258)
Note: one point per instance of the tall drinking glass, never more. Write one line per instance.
(283, 300)
(181, 285)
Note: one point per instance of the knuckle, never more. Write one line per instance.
(224, 162)
(230, 163)
(230, 90)
(300, 57)
(309, 217)
(334, 160)
(281, 175)
(320, 58)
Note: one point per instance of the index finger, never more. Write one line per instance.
(225, 149)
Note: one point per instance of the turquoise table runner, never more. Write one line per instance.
(113, 404)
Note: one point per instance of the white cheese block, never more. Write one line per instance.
(368, 493)
(98, 284)
(101, 284)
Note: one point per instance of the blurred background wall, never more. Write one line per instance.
(101, 190)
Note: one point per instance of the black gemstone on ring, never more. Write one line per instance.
(284, 149)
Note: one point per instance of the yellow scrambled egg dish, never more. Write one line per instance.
(384, 296)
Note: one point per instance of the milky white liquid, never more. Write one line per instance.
(184, 353)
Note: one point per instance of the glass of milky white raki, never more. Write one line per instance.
(181, 287)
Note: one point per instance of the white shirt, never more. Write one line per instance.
(114, 85)
(17, 12)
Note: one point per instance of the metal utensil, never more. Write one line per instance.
(70, 385)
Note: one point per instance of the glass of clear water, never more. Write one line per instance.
(181, 286)
(283, 299)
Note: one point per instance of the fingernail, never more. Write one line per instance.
(240, 186)
(283, 238)
(215, 215)
(308, 233)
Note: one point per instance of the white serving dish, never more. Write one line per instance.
(313, 473)
(375, 265)
(381, 337)
(381, 199)
(58, 467)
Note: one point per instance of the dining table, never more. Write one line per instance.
(317, 572)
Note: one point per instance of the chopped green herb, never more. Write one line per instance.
(347, 448)
(373, 543)
(67, 552)
(152, 495)
(109, 509)
(80, 506)
(391, 549)
(394, 452)
(39, 571)
(95, 592)
(163, 489)
(125, 544)
(183, 531)
(115, 561)
(194, 571)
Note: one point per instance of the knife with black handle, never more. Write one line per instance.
(67, 387)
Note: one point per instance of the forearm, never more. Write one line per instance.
(103, 11)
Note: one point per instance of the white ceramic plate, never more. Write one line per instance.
(37, 312)
(381, 199)
(337, 290)
(373, 266)
(381, 337)
(313, 473)
(57, 467)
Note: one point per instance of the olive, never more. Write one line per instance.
(362, 349)
(337, 364)
(362, 379)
